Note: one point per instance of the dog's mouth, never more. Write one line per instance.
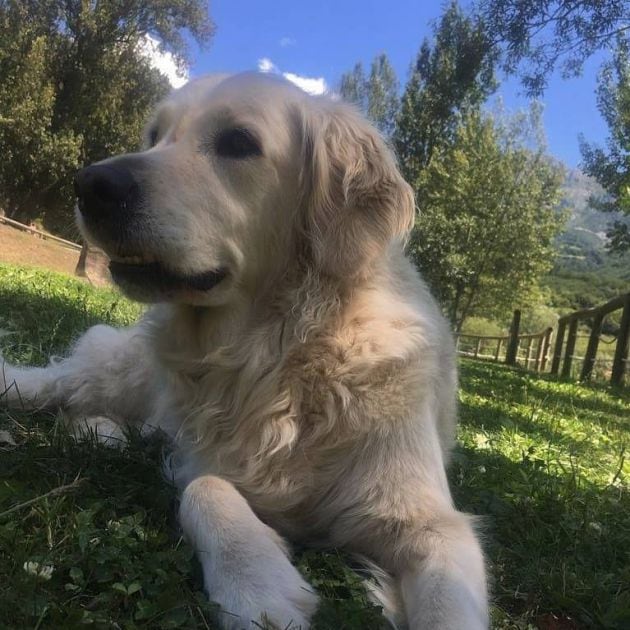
(151, 276)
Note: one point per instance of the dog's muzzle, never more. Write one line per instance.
(106, 193)
(111, 205)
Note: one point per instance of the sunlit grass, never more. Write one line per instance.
(543, 462)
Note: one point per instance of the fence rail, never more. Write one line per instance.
(533, 350)
(44, 235)
(564, 354)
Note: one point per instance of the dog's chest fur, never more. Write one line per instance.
(284, 411)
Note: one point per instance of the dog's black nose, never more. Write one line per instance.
(104, 190)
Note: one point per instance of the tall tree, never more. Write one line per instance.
(35, 158)
(352, 86)
(376, 95)
(452, 75)
(92, 87)
(382, 94)
(487, 217)
(610, 166)
(538, 37)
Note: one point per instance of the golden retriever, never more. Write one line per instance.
(293, 354)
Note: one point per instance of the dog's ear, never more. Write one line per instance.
(355, 201)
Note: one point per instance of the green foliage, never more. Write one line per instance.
(537, 316)
(101, 555)
(35, 157)
(546, 465)
(450, 77)
(376, 95)
(382, 94)
(538, 37)
(352, 86)
(75, 88)
(483, 326)
(540, 462)
(585, 273)
(41, 313)
(611, 166)
(487, 218)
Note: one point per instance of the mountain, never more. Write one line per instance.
(585, 274)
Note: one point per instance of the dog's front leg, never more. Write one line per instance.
(442, 575)
(108, 378)
(245, 563)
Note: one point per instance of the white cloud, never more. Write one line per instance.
(311, 85)
(287, 41)
(266, 65)
(163, 61)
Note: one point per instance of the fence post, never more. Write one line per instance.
(530, 343)
(570, 349)
(512, 347)
(477, 347)
(557, 350)
(498, 350)
(621, 351)
(545, 352)
(539, 349)
(591, 349)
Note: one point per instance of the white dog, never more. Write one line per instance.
(295, 357)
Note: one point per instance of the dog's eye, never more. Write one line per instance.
(237, 144)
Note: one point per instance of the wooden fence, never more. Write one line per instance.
(35, 231)
(564, 354)
(532, 351)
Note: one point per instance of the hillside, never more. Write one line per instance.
(585, 274)
(21, 248)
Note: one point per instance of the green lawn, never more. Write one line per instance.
(543, 463)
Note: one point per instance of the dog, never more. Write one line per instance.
(293, 354)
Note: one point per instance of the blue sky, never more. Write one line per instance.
(324, 38)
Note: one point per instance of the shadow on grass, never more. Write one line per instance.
(556, 544)
(54, 311)
(492, 415)
(521, 385)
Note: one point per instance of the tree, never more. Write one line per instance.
(611, 166)
(488, 216)
(34, 158)
(75, 87)
(451, 76)
(352, 87)
(382, 94)
(376, 95)
(538, 37)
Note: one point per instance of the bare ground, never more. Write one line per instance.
(22, 248)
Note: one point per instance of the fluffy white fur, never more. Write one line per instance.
(311, 394)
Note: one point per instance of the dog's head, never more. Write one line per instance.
(241, 178)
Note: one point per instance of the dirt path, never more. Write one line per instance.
(21, 248)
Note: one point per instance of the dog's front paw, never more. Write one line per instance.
(245, 563)
(103, 429)
(271, 599)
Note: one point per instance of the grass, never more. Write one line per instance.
(543, 463)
